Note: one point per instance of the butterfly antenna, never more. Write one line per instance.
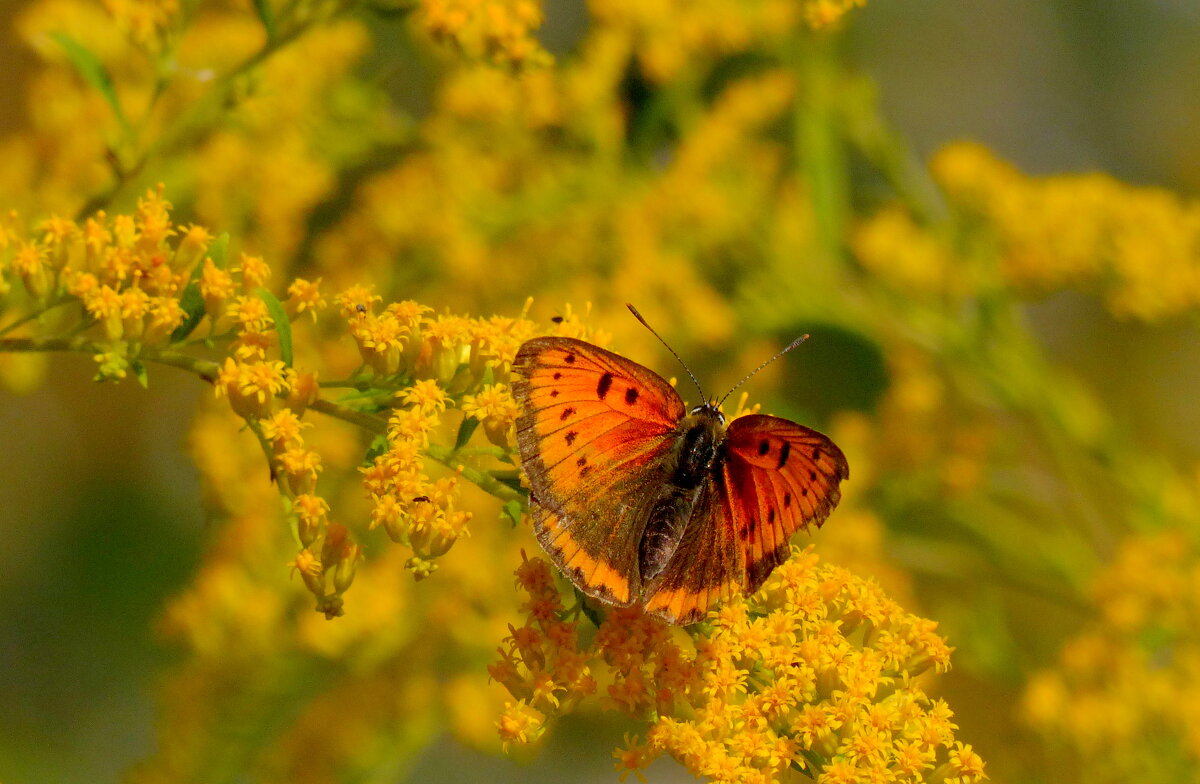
(638, 316)
(750, 375)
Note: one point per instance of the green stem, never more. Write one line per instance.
(51, 305)
(441, 454)
(484, 480)
(77, 344)
(368, 422)
(204, 368)
(194, 121)
(207, 370)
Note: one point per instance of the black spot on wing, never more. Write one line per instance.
(602, 387)
(783, 454)
(631, 396)
(764, 446)
(571, 436)
(569, 359)
(567, 413)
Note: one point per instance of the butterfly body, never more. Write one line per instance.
(694, 456)
(639, 501)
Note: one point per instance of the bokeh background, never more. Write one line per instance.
(1027, 437)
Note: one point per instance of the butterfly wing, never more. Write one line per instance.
(595, 434)
(776, 477)
(708, 564)
(779, 476)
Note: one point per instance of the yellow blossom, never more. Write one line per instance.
(495, 408)
(304, 297)
(830, 704)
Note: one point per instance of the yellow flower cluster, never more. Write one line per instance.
(1125, 696)
(818, 672)
(909, 257)
(671, 34)
(257, 168)
(1138, 247)
(147, 22)
(145, 290)
(432, 362)
(498, 31)
(127, 273)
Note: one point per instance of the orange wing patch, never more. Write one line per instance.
(781, 477)
(605, 581)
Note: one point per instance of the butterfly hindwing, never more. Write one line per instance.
(707, 566)
(595, 434)
(779, 477)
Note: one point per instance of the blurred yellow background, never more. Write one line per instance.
(1004, 343)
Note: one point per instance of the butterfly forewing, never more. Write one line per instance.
(780, 477)
(595, 434)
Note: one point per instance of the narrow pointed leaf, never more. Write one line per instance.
(283, 327)
(93, 72)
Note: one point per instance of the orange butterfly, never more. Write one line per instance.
(639, 501)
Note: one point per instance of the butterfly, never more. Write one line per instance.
(642, 502)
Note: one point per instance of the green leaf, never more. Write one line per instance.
(511, 479)
(93, 72)
(512, 510)
(465, 431)
(191, 301)
(282, 326)
(139, 372)
(263, 8)
(378, 446)
(594, 614)
(193, 306)
(217, 252)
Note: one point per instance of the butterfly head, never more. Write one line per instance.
(709, 410)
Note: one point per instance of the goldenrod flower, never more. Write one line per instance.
(30, 262)
(497, 30)
(312, 512)
(426, 396)
(770, 681)
(352, 299)
(380, 341)
(520, 723)
(196, 241)
(250, 313)
(283, 428)
(255, 273)
(104, 305)
(304, 297)
(495, 407)
(1137, 244)
(217, 288)
(444, 347)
